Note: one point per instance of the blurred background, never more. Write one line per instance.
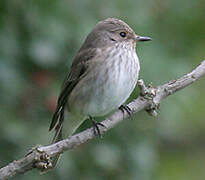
(38, 41)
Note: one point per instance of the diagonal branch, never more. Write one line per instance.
(38, 155)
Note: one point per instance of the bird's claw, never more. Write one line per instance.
(96, 125)
(126, 108)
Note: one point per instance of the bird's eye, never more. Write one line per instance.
(123, 34)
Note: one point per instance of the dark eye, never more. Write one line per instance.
(123, 34)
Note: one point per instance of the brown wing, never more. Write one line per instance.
(77, 71)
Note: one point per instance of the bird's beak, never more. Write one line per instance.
(141, 38)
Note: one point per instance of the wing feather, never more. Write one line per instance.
(77, 71)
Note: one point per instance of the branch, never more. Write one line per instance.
(39, 157)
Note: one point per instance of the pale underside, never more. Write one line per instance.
(103, 90)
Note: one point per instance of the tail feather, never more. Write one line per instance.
(58, 136)
(58, 117)
(58, 133)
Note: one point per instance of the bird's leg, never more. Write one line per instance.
(126, 108)
(96, 129)
(149, 92)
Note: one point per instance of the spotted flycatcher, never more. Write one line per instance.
(102, 76)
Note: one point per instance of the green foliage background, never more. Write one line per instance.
(38, 40)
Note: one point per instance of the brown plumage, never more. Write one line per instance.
(102, 76)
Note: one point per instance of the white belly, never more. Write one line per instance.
(105, 89)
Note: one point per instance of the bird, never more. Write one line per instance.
(102, 76)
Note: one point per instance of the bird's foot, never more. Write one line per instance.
(149, 93)
(126, 108)
(96, 125)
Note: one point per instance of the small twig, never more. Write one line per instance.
(149, 92)
(34, 157)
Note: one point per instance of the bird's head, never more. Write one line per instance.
(112, 31)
